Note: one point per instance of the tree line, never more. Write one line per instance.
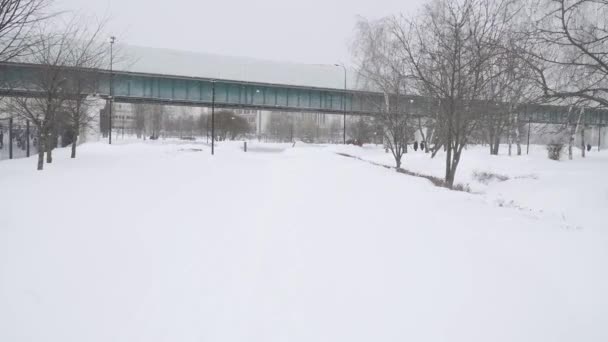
(70, 52)
(481, 61)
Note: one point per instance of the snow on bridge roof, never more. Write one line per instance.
(204, 65)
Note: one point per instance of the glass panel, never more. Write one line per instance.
(349, 102)
(121, 85)
(294, 98)
(257, 97)
(179, 90)
(281, 97)
(270, 94)
(234, 93)
(326, 101)
(221, 92)
(337, 101)
(166, 89)
(136, 88)
(194, 92)
(304, 99)
(315, 99)
(205, 91)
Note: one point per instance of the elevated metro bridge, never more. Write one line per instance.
(138, 87)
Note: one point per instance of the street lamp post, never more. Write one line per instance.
(343, 103)
(112, 40)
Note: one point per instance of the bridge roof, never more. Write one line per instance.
(203, 65)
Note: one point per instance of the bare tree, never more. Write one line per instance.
(156, 123)
(450, 50)
(49, 78)
(230, 126)
(362, 130)
(570, 54)
(281, 126)
(18, 19)
(140, 111)
(86, 55)
(380, 68)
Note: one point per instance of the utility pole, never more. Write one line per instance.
(112, 40)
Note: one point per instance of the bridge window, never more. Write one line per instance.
(257, 96)
(179, 90)
(315, 99)
(205, 91)
(281, 96)
(304, 99)
(294, 97)
(270, 96)
(234, 93)
(165, 88)
(193, 90)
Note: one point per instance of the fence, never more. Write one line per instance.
(17, 139)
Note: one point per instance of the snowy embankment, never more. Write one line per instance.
(153, 242)
(574, 191)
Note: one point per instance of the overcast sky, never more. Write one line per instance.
(303, 31)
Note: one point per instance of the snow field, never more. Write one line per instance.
(162, 242)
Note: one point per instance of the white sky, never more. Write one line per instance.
(303, 31)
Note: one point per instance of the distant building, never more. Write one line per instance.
(123, 117)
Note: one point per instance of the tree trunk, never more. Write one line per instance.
(40, 150)
(74, 147)
(454, 165)
(49, 148)
(573, 133)
(429, 138)
(448, 155)
(422, 135)
(510, 135)
(435, 150)
(584, 148)
(571, 141)
(517, 135)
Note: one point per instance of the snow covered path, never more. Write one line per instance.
(163, 243)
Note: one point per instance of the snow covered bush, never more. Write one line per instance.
(555, 150)
(485, 177)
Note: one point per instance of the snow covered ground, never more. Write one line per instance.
(162, 242)
(575, 191)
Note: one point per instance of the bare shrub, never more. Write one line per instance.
(555, 151)
(484, 177)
